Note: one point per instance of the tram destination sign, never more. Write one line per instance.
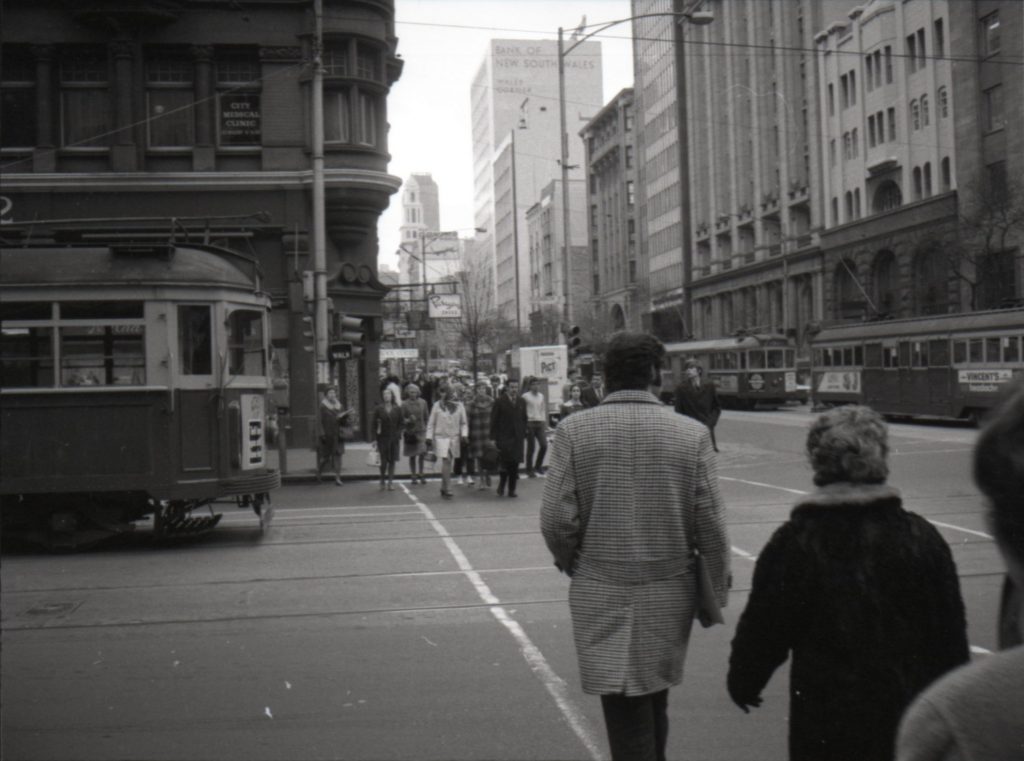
(241, 119)
(984, 381)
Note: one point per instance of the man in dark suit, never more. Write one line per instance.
(696, 398)
(508, 432)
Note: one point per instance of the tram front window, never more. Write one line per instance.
(776, 359)
(195, 347)
(26, 357)
(245, 343)
(756, 359)
(103, 355)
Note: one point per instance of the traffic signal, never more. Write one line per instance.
(308, 334)
(350, 338)
(574, 341)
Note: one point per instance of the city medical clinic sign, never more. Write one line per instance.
(514, 65)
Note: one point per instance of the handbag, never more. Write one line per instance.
(373, 457)
(411, 437)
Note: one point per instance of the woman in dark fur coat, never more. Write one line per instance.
(863, 593)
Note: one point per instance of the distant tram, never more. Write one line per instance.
(746, 370)
(134, 383)
(948, 366)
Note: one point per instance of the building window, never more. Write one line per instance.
(832, 152)
(943, 102)
(991, 43)
(85, 116)
(367, 119)
(887, 197)
(888, 64)
(856, 203)
(869, 66)
(367, 63)
(18, 94)
(835, 210)
(240, 116)
(992, 108)
(927, 179)
(630, 193)
(996, 176)
(947, 180)
(337, 117)
(912, 53)
(849, 205)
(917, 183)
(853, 88)
(921, 57)
(871, 132)
(335, 60)
(940, 39)
(925, 119)
(877, 56)
(831, 100)
(892, 123)
(884, 281)
(629, 157)
(627, 116)
(169, 100)
(915, 115)
(854, 143)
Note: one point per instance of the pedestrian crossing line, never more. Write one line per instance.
(538, 664)
(744, 554)
(759, 483)
(954, 527)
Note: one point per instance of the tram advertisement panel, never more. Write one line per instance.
(253, 433)
(728, 384)
(983, 381)
(841, 382)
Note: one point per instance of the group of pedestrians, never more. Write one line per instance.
(862, 594)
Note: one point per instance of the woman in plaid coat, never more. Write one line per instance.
(479, 411)
(631, 488)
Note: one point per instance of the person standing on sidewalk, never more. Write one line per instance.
(386, 424)
(414, 437)
(536, 427)
(632, 488)
(447, 434)
(331, 447)
(508, 431)
(697, 398)
(479, 410)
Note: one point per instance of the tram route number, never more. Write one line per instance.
(253, 431)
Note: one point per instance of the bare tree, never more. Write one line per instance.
(991, 227)
(477, 326)
(545, 325)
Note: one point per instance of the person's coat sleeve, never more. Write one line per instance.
(559, 511)
(430, 424)
(765, 632)
(925, 735)
(711, 538)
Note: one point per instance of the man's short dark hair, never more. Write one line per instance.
(632, 361)
(999, 469)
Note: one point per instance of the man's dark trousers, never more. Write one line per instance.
(637, 725)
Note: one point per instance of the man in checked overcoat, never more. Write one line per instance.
(631, 488)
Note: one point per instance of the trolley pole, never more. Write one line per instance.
(319, 211)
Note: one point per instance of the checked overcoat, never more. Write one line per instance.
(631, 487)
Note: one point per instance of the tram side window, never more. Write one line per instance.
(959, 352)
(755, 358)
(938, 352)
(919, 354)
(776, 359)
(976, 350)
(873, 355)
(245, 343)
(889, 357)
(993, 350)
(904, 353)
(1011, 349)
(195, 345)
(103, 355)
(26, 357)
(730, 362)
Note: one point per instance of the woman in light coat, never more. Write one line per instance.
(447, 433)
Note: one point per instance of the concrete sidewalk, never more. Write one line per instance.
(300, 464)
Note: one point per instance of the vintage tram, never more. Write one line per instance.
(747, 370)
(134, 384)
(943, 366)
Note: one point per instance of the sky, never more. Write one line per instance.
(443, 43)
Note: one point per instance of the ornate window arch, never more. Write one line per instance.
(848, 300)
(884, 280)
(888, 196)
(931, 280)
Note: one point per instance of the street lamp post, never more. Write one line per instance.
(692, 16)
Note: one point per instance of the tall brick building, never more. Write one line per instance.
(119, 117)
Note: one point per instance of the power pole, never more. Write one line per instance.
(319, 212)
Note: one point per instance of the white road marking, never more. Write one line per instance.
(982, 534)
(758, 483)
(743, 553)
(554, 684)
(980, 650)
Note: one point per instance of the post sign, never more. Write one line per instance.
(241, 120)
(399, 354)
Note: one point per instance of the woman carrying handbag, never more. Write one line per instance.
(447, 433)
(333, 424)
(386, 423)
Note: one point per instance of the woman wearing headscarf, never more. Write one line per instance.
(386, 424)
(447, 433)
(414, 413)
(479, 413)
(862, 593)
(331, 445)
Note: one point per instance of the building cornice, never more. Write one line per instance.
(192, 181)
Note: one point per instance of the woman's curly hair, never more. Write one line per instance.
(849, 444)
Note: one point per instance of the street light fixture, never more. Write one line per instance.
(692, 16)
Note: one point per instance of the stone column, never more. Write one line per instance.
(44, 157)
(123, 156)
(204, 154)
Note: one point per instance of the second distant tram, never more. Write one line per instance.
(948, 366)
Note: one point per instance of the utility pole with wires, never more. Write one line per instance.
(320, 328)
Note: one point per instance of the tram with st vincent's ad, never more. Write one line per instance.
(943, 366)
(748, 370)
(134, 385)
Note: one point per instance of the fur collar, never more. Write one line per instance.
(848, 494)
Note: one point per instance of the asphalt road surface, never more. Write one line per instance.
(395, 625)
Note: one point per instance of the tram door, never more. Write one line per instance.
(197, 400)
(939, 393)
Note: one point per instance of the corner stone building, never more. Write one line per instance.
(119, 117)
